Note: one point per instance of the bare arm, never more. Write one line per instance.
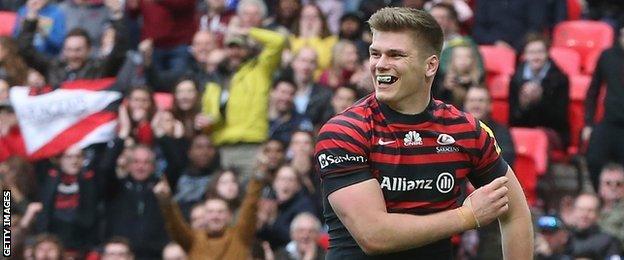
(360, 204)
(516, 227)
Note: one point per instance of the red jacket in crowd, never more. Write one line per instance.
(168, 22)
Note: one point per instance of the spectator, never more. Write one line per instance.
(552, 240)
(345, 62)
(343, 98)
(301, 155)
(218, 240)
(135, 117)
(446, 15)
(612, 195)
(479, 104)
(311, 99)
(21, 227)
(463, 72)
(506, 23)
(332, 10)
(174, 251)
(305, 230)
(69, 194)
(352, 29)
(249, 14)
(460, 7)
(191, 176)
(131, 207)
(602, 146)
(587, 239)
(117, 248)
(275, 217)
(216, 20)
(18, 176)
(197, 217)
(90, 16)
(288, 11)
(275, 153)
(238, 109)
(284, 119)
(538, 94)
(170, 25)
(202, 46)
(46, 23)
(47, 247)
(311, 31)
(226, 186)
(12, 67)
(74, 61)
(187, 107)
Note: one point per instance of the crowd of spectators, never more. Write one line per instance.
(227, 170)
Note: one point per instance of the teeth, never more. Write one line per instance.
(386, 79)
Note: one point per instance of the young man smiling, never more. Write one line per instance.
(393, 163)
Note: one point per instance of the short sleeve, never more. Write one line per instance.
(487, 163)
(341, 155)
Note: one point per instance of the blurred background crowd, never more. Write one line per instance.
(212, 156)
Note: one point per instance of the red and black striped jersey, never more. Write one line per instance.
(420, 161)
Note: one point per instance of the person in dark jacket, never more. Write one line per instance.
(539, 93)
(74, 61)
(69, 194)
(605, 144)
(587, 240)
(505, 23)
(311, 99)
(284, 119)
(276, 216)
(132, 210)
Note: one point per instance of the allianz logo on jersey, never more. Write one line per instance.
(412, 138)
(329, 159)
(444, 183)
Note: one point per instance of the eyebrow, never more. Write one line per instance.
(390, 51)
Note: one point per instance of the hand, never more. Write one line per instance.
(202, 121)
(33, 7)
(262, 162)
(541, 246)
(268, 252)
(309, 250)
(115, 7)
(125, 126)
(267, 212)
(32, 210)
(530, 93)
(301, 163)
(162, 190)
(488, 202)
(586, 133)
(146, 48)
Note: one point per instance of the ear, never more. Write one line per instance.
(431, 66)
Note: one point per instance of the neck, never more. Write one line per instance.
(412, 105)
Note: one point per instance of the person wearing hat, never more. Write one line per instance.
(238, 106)
(551, 242)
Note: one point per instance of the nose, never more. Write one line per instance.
(382, 63)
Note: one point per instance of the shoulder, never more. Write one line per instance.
(449, 115)
(358, 115)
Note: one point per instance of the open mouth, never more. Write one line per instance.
(386, 79)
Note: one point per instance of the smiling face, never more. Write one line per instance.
(397, 67)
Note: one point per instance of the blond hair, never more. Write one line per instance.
(425, 31)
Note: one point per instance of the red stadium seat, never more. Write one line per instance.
(499, 91)
(574, 9)
(585, 37)
(589, 64)
(576, 109)
(531, 147)
(164, 101)
(498, 60)
(7, 22)
(568, 60)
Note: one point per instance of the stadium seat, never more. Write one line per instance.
(499, 91)
(531, 145)
(576, 109)
(568, 60)
(7, 22)
(498, 60)
(585, 37)
(164, 101)
(574, 9)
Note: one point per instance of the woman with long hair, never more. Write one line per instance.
(345, 62)
(226, 185)
(311, 29)
(136, 116)
(187, 105)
